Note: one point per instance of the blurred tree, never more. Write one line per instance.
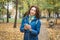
(16, 14)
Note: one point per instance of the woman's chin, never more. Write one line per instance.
(32, 15)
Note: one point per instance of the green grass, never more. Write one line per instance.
(12, 20)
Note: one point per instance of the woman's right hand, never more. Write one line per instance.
(25, 27)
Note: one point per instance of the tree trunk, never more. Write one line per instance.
(7, 12)
(16, 14)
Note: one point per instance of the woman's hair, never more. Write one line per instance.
(37, 12)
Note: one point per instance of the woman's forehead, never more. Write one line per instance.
(33, 8)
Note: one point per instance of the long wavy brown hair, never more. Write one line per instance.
(37, 12)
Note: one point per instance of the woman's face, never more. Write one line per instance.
(33, 11)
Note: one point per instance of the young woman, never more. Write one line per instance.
(31, 24)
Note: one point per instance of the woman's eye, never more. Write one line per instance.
(33, 10)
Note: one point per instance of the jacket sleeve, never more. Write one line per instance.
(22, 26)
(36, 32)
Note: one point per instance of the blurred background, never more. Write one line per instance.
(12, 11)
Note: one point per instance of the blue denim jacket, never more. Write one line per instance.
(35, 25)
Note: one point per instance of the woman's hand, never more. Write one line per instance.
(27, 27)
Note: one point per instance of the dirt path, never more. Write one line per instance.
(43, 33)
(49, 33)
